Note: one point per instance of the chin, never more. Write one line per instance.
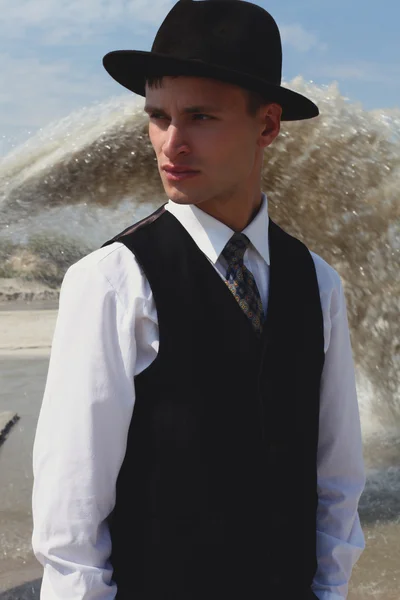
(181, 200)
(179, 196)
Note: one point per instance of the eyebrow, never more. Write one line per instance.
(188, 110)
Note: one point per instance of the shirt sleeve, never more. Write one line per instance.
(341, 475)
(81, 437)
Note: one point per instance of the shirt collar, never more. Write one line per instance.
(211, 235)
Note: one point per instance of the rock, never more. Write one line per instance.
(27, 591)
(7, 420)
(12, 289)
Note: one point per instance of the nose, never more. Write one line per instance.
(174, 142)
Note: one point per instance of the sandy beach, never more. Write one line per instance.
(26, 331)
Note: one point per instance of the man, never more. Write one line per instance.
(199, 436)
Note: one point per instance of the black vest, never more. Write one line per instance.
(217, 494)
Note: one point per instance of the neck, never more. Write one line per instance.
(236, 211)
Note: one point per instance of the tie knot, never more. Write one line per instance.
(235, 248)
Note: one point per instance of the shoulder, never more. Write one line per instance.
(105, 259)
(331, 292)
(329, 280)
(112, 269)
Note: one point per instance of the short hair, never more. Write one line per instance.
(255, 100)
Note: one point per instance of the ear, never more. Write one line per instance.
(271, 123)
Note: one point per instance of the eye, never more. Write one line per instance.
(156, 115)
(202, 117)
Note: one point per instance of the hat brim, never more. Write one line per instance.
(131, 68)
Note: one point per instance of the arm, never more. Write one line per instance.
(81, 437)
(341, 476)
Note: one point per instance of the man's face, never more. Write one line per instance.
(207, 145)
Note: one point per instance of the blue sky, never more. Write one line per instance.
(51, 51)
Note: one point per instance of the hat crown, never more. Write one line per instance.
(234, 34)
(228, 40)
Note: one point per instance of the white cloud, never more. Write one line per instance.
(295, 35)
(35, 92)
(61, 21)
(361, 71)
(38, 87)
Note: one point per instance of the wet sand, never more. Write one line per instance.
(25, 342)
(26, 331)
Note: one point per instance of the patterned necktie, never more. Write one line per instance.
(241, 281)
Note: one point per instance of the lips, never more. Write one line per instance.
(179, 173)
(171, 169)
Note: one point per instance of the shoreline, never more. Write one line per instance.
(26, 330)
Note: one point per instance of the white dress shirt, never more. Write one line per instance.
(106, 333)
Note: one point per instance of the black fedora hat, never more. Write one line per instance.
(230, 40)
